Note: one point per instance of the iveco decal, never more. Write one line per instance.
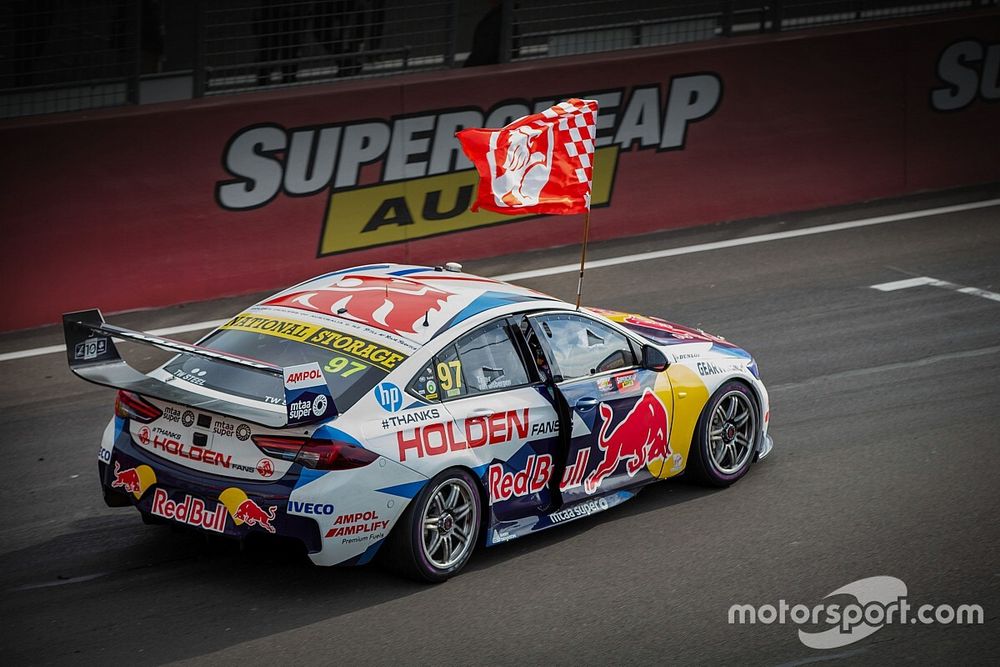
(425, 182)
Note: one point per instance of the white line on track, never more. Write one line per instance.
(750, 240)
(624, 259)
(934, 282)
(887, 368)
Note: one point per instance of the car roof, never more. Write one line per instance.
(406, 302)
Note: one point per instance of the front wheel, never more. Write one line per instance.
(726, 437)
(438, 531)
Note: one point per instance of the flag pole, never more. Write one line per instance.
(583, 256)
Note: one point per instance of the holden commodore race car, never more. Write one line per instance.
(413, 412)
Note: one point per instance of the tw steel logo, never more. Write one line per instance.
(426, 184)
(640, 438)
(389, 303)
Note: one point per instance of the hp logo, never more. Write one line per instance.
(389, 396)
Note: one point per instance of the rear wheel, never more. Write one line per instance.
(438, 531)
(725, 439)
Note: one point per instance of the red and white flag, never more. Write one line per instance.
(542, 163)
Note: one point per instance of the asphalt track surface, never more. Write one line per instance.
(884, 416)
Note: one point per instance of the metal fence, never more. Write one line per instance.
(61, 55)
(249, 45)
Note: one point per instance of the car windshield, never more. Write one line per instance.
(349, 376)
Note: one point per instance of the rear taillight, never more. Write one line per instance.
(134, 406)
(318, 454)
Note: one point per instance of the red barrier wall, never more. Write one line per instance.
(125, 209)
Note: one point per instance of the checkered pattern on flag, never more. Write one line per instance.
(542, 163)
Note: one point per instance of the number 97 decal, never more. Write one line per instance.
(343, 367)
(450, 374)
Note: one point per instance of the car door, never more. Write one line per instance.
(500, 407)
(620, 411)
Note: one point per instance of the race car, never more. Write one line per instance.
(413, 412)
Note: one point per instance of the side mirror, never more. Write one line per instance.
(653, 359)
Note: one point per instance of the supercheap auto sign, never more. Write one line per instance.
(247, 193)
(425, 182)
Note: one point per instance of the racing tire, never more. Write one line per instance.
(726, 437)
(438, 532)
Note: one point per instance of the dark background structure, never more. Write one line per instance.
(64, 55)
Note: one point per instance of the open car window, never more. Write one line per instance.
(581, 346)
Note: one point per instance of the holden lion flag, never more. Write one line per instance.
(542, 163)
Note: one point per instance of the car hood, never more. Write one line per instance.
(663, 332)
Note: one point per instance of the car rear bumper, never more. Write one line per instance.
(230, 507)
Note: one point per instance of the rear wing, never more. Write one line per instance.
(92, 355)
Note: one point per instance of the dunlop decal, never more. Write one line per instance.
(312, 334)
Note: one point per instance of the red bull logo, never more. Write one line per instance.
(126, 479)
(640, 438)
(387, 302)
(245, 511)
(133, 480)
(191, 511)
(251, 514)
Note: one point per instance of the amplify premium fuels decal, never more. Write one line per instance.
(426, 183)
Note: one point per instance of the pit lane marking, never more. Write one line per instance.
(934, 282)
(622, 259)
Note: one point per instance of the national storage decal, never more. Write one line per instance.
(425, 183)
(336, 341)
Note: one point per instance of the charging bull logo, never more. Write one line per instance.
(639, 439)
(246, 511)
(133, 480)
(251, 514)
(392, 304)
